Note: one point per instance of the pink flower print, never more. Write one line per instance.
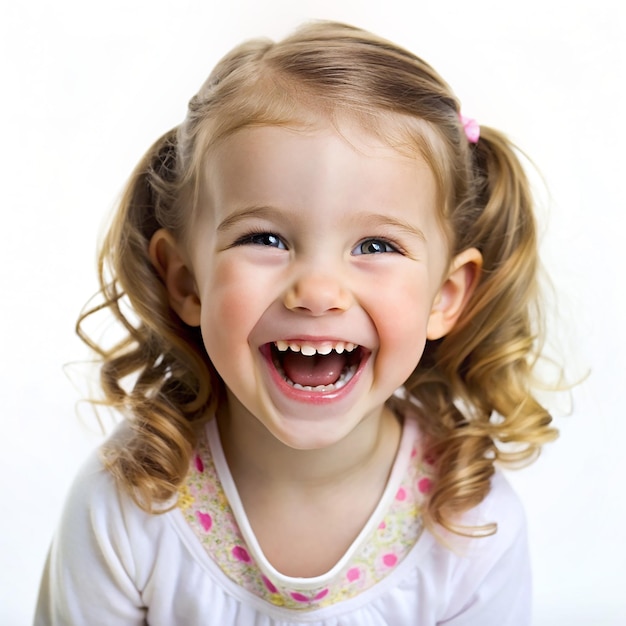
(413, 453)
(382, 525)
(424, 485)
(269, 584)
(300, 597)
(390, 559)
(205, 520)
(353, 574)
(401, 495)
(241, 554)
(199, 464)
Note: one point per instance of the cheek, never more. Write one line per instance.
(228, 307)
(226, 298)
(402, 312)
(233, 299)
(225, 328)
(404, 333)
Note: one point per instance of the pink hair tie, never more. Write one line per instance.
(471, 128)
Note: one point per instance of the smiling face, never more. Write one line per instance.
(316, 270)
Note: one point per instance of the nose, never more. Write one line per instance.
(317, 294)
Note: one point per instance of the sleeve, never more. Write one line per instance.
(493, 584)
(89, 576)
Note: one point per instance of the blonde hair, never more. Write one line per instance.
(472, 389)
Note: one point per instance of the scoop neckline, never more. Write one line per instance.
(396, 475)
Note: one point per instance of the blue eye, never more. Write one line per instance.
(374, 246)
(269, 240)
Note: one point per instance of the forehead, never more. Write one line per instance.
(305, 160)
(379, 133)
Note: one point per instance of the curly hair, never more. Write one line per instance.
(472, 389)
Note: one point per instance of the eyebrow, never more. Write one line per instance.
(379, 219)
(259, 212)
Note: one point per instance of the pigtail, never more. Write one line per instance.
(157, 375)
(479, 378)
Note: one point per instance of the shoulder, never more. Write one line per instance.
(490, 578)
(503, 507)
(102, 531)
(94, 491)
(502, 510)
(100, 520)
(98, 515)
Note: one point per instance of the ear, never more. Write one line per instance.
(176, 275)
(454, 293)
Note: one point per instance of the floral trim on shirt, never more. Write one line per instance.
(206, 509)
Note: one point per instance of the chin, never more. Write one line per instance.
(310, 436)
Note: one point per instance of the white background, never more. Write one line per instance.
(86, 87)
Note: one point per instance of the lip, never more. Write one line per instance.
(312, 397)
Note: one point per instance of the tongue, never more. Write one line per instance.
(312, 371)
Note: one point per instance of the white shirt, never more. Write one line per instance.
(112, 564)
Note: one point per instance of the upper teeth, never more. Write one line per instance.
(308, 349)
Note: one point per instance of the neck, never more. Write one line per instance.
(254, 454)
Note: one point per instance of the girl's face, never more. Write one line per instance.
(317, 263)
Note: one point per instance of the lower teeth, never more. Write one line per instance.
(345, 377)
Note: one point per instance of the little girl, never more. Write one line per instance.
(327, 279)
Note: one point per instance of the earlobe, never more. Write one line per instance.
(454, 293)
(176, 276)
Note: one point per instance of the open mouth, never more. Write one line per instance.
(322, 367)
